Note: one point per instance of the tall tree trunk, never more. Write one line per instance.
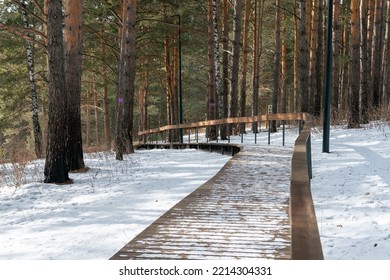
(257, 35)
(126, 79)
(56, 169)
(386, 89)
(170, 81)
(225, 68)
(344, 84)
(143, 100)
(73, 68)
(319, 92)
(336, 60)
(313, 58)
(283, 87)
(365, 61)
(244, 69)
(276, 78)
(235, 63)
(303, 59)
(353, 116)
(106, 102)
(296, 57)
(218, 82)
(33, 87)
(88, 115)
(377, 55)
(96, 114)
(370, 43)
(211, 87)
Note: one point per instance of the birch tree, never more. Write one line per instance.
(33, 86)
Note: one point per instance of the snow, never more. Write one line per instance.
(106, 207)
(351, 193)
(103, 209)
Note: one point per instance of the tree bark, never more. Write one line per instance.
(244, 69)
(235, 63)
(106, 102)
(73, 68)
(296, 58)
(319, 71)
(225, 68)
(377, 55)
(96, 113)
(276, 78)
(211, 87)
(336, 60)
(386, 89)
(126, 79)
(365, 61)
(56, 169)
(353, 116)
(303, 59)
(313, 56)
(283, 86)
(257, 35)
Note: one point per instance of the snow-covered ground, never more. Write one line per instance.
(114, 201)
(104, 208)
(351, 193)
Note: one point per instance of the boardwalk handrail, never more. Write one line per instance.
(305, 238)
(238, 120)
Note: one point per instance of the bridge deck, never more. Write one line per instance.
(240, 213)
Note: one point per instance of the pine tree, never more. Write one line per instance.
(56, 169)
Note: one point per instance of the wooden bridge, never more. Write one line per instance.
(258, 206)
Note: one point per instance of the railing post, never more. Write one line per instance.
(309, 159)
(269, 132)
(256, 136)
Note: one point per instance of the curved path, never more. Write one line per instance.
(240, 213)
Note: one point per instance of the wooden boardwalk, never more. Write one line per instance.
(240, 213)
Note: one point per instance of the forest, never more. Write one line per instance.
(87, 75)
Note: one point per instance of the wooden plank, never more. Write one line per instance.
(238, 120)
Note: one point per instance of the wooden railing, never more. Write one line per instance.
(306, 243)
(238, 120)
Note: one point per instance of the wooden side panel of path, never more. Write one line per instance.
(240, 213)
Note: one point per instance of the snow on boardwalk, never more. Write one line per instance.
(240, 213)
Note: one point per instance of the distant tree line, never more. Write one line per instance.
(77, 74)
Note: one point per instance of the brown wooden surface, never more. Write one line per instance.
(226, 219)
(306, 243)
(241, 213)
(238, 120)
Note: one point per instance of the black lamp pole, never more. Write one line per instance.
(328, 79)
